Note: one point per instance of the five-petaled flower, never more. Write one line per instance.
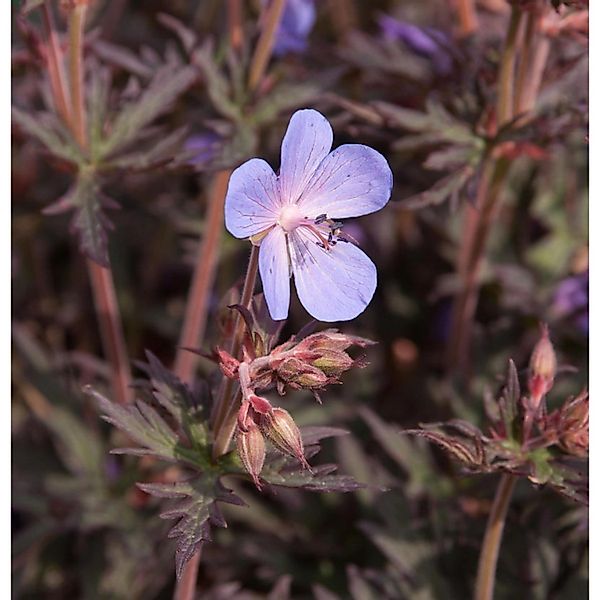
(293, 216)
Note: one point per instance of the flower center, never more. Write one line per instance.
(290, 217)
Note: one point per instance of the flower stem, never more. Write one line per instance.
(101, 280)
(113, 342)
(488, 557)
(56, 67)
(506, 77)
(194, 322)
(76, 31)
(224, 414)
(263, 50)
(478, 219)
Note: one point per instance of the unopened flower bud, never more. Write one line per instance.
(280, 428)
(574, 435)
(301, 374)
(542, 369)
(227, 363)
(251, 449)
(333, 362)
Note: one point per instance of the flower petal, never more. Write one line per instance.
(306, 143)
(274, 266)
(252, 199)
(335, 284)
(353, 180)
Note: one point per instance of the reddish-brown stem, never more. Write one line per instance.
(467, 17)
(224, 415)
(103, 288)
(234, 23)
(478, 219)
(488, 558)
(76, 31)
(194, 322)
(113, 342)
(56, 66)
(263, 50)
(478, 224)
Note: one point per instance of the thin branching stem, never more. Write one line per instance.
(264, 48)
(76, 35)
(488, 557)
(56, 65)
(101, 279)
(111, 332)
(223, 423)
(478, 219)
(194, 323)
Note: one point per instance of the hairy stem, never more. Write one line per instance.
(101, 280)
(196, 313)
(56, 66)
(228, 400)
(76, 31)
(263, 50)
(488, 557)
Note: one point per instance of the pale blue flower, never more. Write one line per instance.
(296, 24)
(293, 216)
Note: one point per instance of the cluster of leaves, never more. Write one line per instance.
(507, 449)
(181, 436)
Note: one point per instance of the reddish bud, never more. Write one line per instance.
(301, 374)
(574, 434)
(261, 405)
(280, 428)
(227, 363)
(251, 450)
(542, 369)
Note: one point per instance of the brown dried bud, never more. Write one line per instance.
(251, 449)
(542, 369)
(280, 428)
(228, 364)
(574, 433)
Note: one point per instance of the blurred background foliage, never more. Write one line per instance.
(394, 75)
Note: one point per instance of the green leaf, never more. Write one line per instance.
(196, 510)
(217, 85)
(167, 84)
(447, 187)
(146, 427)
(282, 99)
(89, 221)
(46, 129)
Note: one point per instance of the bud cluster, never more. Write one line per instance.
(257, 420)
(312, 363)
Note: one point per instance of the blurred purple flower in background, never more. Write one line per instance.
(296, 24)
(293, 216)
(571, 299)
(204, 148)
(425, 41)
